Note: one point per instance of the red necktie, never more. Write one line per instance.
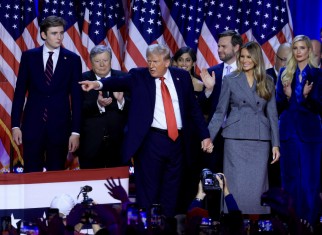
(169, 111)
(49, 70)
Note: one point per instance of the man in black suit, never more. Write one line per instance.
(104, 116)
(280, 60)
(48, 123)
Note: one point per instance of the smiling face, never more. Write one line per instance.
(185, 62)
(53, 37)
(246, 61)
(301, 52)
(226, 50)
(157, 64)
(101, 64)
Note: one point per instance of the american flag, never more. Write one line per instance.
(183, 21)
(145, 28)
(72, 38)
(177, 23)
(18, 32)
(267, 22)
(104, 23)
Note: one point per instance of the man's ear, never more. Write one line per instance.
(43, 36)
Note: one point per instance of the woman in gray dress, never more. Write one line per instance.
(247, 112)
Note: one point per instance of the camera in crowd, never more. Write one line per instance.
(209, 180)
(87, 202)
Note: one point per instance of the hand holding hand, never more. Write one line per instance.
(276, 154)
(307, 88)
(103, 102)
(208, 80)
(89, 85)
(207, 145)
(17, 136)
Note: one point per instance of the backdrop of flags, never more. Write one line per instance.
(128, 27)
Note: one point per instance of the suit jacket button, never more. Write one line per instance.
(257, 102)
(244, 101)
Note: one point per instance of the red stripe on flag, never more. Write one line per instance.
(9, 57)
(206, 52)
(171, 42)
(135, 53)
(114, 44)
(281, 37)
(269, 51)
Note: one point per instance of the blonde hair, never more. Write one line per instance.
(264, 86)
(291, 64)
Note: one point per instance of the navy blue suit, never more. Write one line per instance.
(158, 159)
(301, 138)
(62, 99)
(271, 72)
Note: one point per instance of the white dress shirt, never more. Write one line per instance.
(159, 120)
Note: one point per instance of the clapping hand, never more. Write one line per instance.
(307, 88)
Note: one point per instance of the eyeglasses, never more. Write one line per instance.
(280, 58)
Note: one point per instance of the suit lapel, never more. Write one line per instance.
(151, 88)
(242, 82)
(178, 85)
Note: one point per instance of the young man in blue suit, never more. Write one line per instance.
(158, 156)
(48, 125)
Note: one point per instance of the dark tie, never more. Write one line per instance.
(49, 70)
(169, 111)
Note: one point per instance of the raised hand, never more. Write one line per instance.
(116, 191)
(208, 80)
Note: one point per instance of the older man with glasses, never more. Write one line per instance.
(280, 60)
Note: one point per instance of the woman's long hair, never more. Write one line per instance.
(264, 86)
(291, 64)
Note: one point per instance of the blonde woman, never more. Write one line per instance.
(299, 102)
(250, 129)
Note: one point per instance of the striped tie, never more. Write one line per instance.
(49, 74)
(49, 70)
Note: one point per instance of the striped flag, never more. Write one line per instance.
(72, 39)
(104, 23)
(267, 22)
(145, 28)
(18, 32)
(183, 22)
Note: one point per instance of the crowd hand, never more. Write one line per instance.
(73, 143)
(17, 135)
(287, 89)
(116, 191)
(103, 102)
(75, 215)
(222, 183)
(307, 88)
(119, 96)
(207, 145)
(89, 85)
(201, 193)
(208, 80)
(276, 154)
(102, 215)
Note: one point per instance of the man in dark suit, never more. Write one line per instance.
(158, 126)
(317, 52)
(51, 116)
(229, 43)
(279, 60)
(103, 117)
